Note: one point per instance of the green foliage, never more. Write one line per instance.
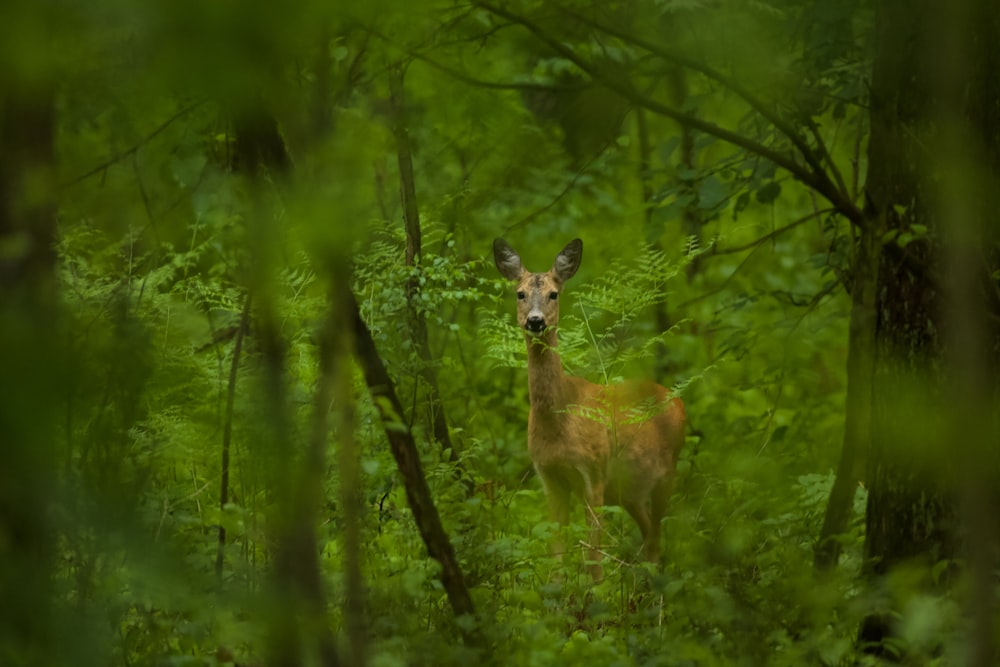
(695, 274)
(739, 541)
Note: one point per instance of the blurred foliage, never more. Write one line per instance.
(161, 236)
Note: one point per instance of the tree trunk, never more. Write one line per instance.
(411, 220)
(227, 433)
(933, 156)
(336, 348)
(857, 419)
(30, 359)
(690, 214)
(404, 450)
(299, 620)
(296, 562)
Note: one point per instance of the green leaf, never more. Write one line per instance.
(711, 193)
(769, 193)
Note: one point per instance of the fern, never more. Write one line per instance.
(608, 329)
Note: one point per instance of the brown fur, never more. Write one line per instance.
(606, 444)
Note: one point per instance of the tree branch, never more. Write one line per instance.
(776, 232)
(701, 297)
(812, 159)
(414, 253)
(135, 147)
(562, 193)
(404, 450)
(472, 81)
(825, 154)
(818, 181)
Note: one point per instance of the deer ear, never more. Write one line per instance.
(508, 261)
(568, 261)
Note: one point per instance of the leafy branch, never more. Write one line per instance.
(467, 79)
(777, 232)
(812, 175)
(135, 147)
(812, 159)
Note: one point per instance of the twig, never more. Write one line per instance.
(771, 235)
(721, 287)
(825, 153)
(131, 150)
(565, 191)
(856, 160)
(473, 81)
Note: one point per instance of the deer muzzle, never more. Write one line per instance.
(535, 324)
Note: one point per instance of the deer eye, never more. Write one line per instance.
(520, 296)
(553, 295)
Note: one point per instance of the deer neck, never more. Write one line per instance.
(546, 386)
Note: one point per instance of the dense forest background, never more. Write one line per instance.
(262, 395)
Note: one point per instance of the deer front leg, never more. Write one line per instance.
(558, 499)
(595, 500)
(658, 505)
(649, 526)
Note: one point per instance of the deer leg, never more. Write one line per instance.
(595, 500)
(558, 497)
(648, 526)
(660, 496)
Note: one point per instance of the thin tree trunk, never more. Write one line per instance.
(227, 433)
(299, 622)
(404, 450)
(645, 168)
(660, 314)
(335, 393)
(336, 348)
(857, 420)
(411, 220)
(690, 214)
(30, 359)
(307, 494)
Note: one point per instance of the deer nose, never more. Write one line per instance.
(535, 323)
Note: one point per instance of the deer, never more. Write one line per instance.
(614, 444)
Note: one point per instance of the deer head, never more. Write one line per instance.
(538, 293)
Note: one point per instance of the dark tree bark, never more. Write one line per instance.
(404, 450)
(300, 621)
(857, 417)
(30, 359)
(933, 156)
(258, 146)
(660, 315)
(690, 214)
(338, 344)
(27, 216)
(296, 562)
(227, 432)
(411, 220)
